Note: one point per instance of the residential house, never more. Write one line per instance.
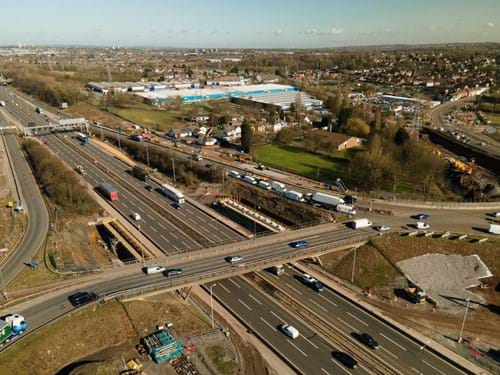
(344, 141)
(231, 132)
(179, 133)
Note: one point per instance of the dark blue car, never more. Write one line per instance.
(422, 216)
(299, 244)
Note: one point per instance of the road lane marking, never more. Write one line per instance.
(185, 245)
(296, 347)
(124, 205)
(436, 369)
(355, 317)
(339, 365)
(244, 304)
(385, 350)
(154, 229)
(310, 342)
(268, 324)
(162, 236)
(326, 372)
(174, 235)
(235, 283)
(223, 287)
(418, 372)
(394, 342)
(255, 299)
(327, 300)
(162, 226)
(317, 304)
(347, 324)
(277, 316)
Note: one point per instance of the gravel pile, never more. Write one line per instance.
(446, 278)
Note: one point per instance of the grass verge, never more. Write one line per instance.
(223, 365)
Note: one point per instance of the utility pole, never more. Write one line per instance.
(212, 305)
(353, 265)
(460, 338)
(147, 153)
(173, 169)
(422, 350)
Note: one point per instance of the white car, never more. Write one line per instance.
(422, 225)
(382, 228)
(234, 259)
(153, 269)
(290, 331)
(136, 216)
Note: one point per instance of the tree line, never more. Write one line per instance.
(61, 185)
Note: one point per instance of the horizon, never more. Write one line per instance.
(321, 24)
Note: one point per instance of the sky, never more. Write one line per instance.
(247, 24)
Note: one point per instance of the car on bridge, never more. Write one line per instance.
(234, 259)
(422, 217)
(299, 244)
(312, 283)
(173, 272)
(346, 359)
(82, 298)
(366, 339)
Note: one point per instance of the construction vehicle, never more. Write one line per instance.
(415, 295)
(135, 365)
(80, 170)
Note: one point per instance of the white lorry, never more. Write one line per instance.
(327, 200)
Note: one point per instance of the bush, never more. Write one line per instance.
(60, 184)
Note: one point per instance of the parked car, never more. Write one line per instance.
(290, 331)
(173, 272)
(299, 244)
(345, 359)
(422, 217)
(82, 298)
(233, 259)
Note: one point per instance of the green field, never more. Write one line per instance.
(158, 120)
(295, 159)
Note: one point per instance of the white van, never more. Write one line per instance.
(494, 229)
(250, 180)
(278, 187)
(361, 223)
(233, 174)
(264, 185)
(290, 331)
(149, 270)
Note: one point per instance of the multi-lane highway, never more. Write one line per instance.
(35, 209)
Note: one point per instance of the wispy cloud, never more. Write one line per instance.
(490, 24)
(330, 31)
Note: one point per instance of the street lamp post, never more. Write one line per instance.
(212, 305)
(422, 350)
(353, 265)
(142, 249)
(460, 338)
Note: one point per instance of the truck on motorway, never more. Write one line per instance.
(327, 200)
(108, 191)
(39, 110)
(11, 326)
(494, 229)
(295, 196)
(139, 172)
(345, 209)
(82, 138)
(176, 195)
(278, 187)
(361, 223)
(277, 270)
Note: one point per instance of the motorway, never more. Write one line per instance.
(43, 309)
(395, 348)
(34, 205)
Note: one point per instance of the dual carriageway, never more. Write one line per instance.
(309, 354)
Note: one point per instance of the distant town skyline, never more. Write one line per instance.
(256, 24)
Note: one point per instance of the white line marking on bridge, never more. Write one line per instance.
(385, 350)
(277, 316)
(339, 365)
(394, 342)
(347, 324)
(223, 287)
(431, 366)
(162, 236)
(317, 304)
(326, 372)
(310, 342)
(154, 229)
(327, 300)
